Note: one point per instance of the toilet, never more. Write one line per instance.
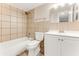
(39, 36)
(34, 45)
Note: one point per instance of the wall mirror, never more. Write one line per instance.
(64, 13)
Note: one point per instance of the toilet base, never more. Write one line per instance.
(34, 52)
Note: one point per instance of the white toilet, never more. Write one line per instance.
(39, 36)
(34, 47)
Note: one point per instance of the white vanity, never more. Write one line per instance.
(62, 44)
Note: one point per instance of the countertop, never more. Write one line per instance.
(65, 33)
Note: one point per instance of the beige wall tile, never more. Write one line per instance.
(20, 13)
(20, 35)
(5, 31)
(12, 22)
(5, 18)
(6, 25)
(5, 37)
(14, 36)
(0, 25)
(0, 17)
(0, 38)
(20, 25)
(0, 8)
(14, 11)
(0, 32)
(24, 30)
(24, 34)
(14, 31)
(5, 9)
(14, 19)
(13, 25)
(24, 25)
(20, 19)
(20, 30)
(5, 5)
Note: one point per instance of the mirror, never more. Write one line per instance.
(63, 17)
(65, 13)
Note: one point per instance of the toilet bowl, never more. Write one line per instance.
(34, 45)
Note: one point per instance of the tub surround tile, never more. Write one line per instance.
(12, 22)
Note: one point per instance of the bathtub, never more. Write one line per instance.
(13, 47)
(16, 46)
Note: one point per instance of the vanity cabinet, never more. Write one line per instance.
(70, 46)
(56, 45)
(52, 45)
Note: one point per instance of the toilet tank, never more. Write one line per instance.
(39, 36)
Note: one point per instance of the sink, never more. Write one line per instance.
(64, 33)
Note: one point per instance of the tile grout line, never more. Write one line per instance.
(1, 22)
(10, 21)
(17, 22)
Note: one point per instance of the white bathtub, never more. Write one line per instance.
(13, 47)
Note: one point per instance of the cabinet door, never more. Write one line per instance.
(70, 47)
(52, 45)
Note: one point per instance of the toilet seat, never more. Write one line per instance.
(33, 46)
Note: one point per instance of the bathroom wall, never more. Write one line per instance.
(13, 22)
(44, 26)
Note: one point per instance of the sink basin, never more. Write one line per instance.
(65, 33)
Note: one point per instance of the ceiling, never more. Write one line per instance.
(26, 6)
